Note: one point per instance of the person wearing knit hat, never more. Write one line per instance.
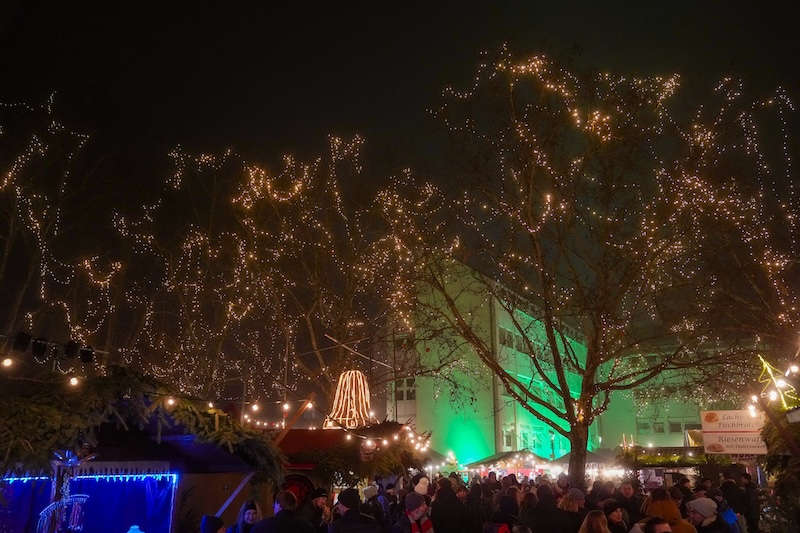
(420, 484)
(614, 514)
(211, 524)
(372, 506)
(415, 518)
(352, 519)
(703, 514)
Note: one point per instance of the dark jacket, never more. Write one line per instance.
(354, 521)
(568, 522)
(447, 513)
(632, 507)
(717, 526)
(404, 525)
(374, 508)
(617, 528)
(283, 522)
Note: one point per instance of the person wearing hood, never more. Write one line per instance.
(703, 514)
(447, 512)
(661, 505)
(249, 514)
(415, 517)
(630, 501)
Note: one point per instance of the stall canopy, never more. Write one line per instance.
(523, 457)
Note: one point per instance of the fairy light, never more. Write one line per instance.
(8, 362)
(73, 381)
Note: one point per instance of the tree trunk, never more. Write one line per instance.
(578, 439)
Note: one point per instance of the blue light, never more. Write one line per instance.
(24, 479)
(102, 477)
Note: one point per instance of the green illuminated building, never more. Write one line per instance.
(476, 418)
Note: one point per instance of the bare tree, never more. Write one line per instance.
(586, 206)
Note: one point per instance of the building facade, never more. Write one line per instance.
(472, 414)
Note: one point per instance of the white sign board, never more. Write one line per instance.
(736, 432)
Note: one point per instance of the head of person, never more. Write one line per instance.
(701, 510)
(212, 524)
(370, 491)
(595, 522)
(415, 505)
(659, 495)
(572, 501)
(529, 500)
(613, 511)
(443, 485)
(545, 493)
(349, 499)
(626, 489)
(746, 479)
(656, 525)
(508, 505)
(319, 497)
(420, 483)
(676, 494)
(492, 477)
(462, 493)
(706, 483)
(562, 482)
(284, 501)
(390, 490)
(249, 513)
(684, 482)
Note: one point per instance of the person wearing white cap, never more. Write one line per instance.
(703, 514)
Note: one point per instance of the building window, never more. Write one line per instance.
(405, 389)
(642, 427)
(690, 425)
(658, 427)
(508, 439)
(675, 427)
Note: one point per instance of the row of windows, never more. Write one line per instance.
(405, 389)
(660, 427)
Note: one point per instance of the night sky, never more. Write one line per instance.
(142, 79)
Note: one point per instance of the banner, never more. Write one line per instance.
(735, 432)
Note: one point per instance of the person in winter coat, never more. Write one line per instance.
(570, 513)
(753, 506)
(352, 520)
(614, 515)
(447, 513)
(595, 522)
(504, 518)
(372, 506)
(703, 514)
(630, 501)
(285, 519)
(527, 511)
(316, 510)
(415, 518)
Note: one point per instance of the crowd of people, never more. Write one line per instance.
(510, 505)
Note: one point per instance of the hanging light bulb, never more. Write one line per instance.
(286, 406)
(170, 401)
(255, 407)
(73, 381)
(8, 362)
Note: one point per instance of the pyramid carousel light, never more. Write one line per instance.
(351, 408)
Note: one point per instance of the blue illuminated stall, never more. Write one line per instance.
(115, 502)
